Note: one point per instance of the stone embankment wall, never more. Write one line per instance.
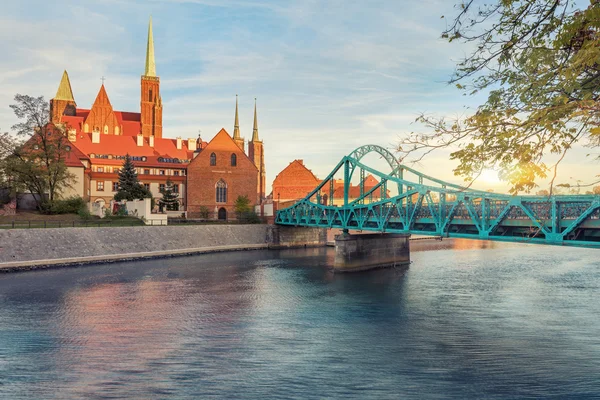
(289, 236)
(361, 252)
(33, 248)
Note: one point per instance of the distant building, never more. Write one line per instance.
(296, 181)
(101, 137)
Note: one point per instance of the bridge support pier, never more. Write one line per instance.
(361, 252)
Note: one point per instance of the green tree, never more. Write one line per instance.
(130, 187)
(170, 199)
(539, 63)
(244, 210)
(242, 205)
(38, 164)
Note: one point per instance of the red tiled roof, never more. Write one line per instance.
(116, 145)
(73, 157)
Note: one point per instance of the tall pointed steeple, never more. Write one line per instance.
(256, 153)
(236, 128)
(236, 123)
(255, 129)
(150, 63)
(64, 91)
(150, 102)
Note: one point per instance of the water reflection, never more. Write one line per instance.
(467, 319)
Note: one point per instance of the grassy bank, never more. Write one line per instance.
(30, 219)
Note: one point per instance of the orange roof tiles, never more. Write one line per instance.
(112, 145)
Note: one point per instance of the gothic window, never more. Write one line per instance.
(213, 159)
(106, 129)
(86, 128)
(221, 191)
(117, 131)
(233, 160)
(150, 95)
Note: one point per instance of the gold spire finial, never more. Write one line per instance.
(64, 91)
(255, 130)
(236, 124)
(150, 63)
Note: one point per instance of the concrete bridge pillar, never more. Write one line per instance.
(360, 252)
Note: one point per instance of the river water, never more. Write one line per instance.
(468, 319)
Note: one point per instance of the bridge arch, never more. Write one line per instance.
(395, 166)
(362, 151)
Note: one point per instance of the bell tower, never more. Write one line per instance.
(236, 127)
(257, 155)
(63, 103)
(151, 102)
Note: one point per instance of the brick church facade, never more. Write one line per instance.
(206, 175)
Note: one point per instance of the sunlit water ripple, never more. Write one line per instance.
(468, 320)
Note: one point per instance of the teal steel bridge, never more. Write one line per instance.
(425, 205)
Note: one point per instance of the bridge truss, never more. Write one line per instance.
(428, 206)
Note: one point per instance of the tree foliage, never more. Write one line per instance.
(170, 199)
(38, 164)
(130, 187)
(244, 210)
(242, 204)
(539, 63)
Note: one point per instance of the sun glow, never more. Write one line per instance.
(489, 176)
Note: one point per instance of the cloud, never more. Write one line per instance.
(329, 75)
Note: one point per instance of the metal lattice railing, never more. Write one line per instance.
(429, 206)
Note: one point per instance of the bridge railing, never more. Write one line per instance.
(432, 206)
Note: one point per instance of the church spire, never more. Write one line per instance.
(150, 63)
(255, 130)
(236, 124)
(64, 91)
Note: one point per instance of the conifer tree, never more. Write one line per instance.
(169, 197)
(130, 187)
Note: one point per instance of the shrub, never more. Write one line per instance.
(203, 211)
(71, 205)
(84, 213)
(249, 217)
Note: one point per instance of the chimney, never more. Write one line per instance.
(151, 140)
(96, 137)
(140, 140)
(192, 144)
(179, 143)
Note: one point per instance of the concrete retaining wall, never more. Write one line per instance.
(360, 252)
(18, 245)
(34, 248)
(290, 236)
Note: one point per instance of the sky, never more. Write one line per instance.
(328, 75)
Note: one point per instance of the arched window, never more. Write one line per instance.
(86, 128)
(221, 191)
(117, 130)
(106, 129)
(233, 160)
(150, 95)
(213, 159)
